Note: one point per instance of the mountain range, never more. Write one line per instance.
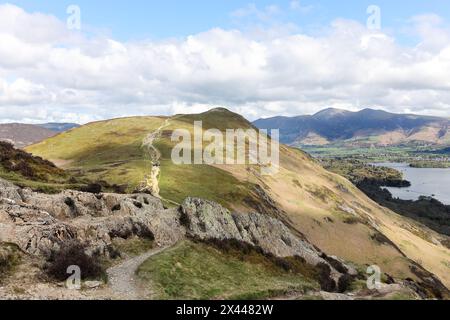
(364, 128)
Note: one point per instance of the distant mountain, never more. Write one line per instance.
(59, 127)
(364, 128)
(22, 135)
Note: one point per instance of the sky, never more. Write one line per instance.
(80, 61)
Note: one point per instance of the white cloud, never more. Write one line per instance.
(431, 29)
(251, 10)
(63, 76)
(296, 5)
(31, 28)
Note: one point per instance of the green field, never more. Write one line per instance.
(372, 154)
(418, 156)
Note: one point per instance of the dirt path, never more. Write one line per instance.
(122, 278)
(151, 181)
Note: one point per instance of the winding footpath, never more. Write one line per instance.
(123, 278)
(151, 181)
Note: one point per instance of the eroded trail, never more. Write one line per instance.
(151, 181)
(123, 279)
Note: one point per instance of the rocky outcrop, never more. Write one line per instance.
(39, 223)
(206, 220)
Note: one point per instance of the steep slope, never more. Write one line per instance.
(363, 128)
(323, 207)
(22, 135)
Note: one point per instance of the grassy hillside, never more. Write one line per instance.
(25, 170)
(109, 151)
(198, 271)
(331, 212)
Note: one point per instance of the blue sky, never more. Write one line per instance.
(258, 58)
(137, 19)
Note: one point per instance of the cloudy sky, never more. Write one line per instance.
(259, 58)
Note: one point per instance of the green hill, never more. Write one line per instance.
(324, 207)
(108, 151)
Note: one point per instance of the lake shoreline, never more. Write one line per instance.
(425, 182)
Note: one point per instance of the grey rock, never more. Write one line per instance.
(39, 223)
(92, 284)
(207, 220)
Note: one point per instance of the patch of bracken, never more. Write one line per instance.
(69, 202)
(324, 277)
(73, 253)
(116, 207)
(339, 266)
(94, 188)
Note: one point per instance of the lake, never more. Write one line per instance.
(429, 182)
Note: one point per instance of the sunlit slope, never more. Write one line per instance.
(108, 151)
(209, 182)
(326, 208)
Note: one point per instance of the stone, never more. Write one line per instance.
(92, 284)
(38, 223)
